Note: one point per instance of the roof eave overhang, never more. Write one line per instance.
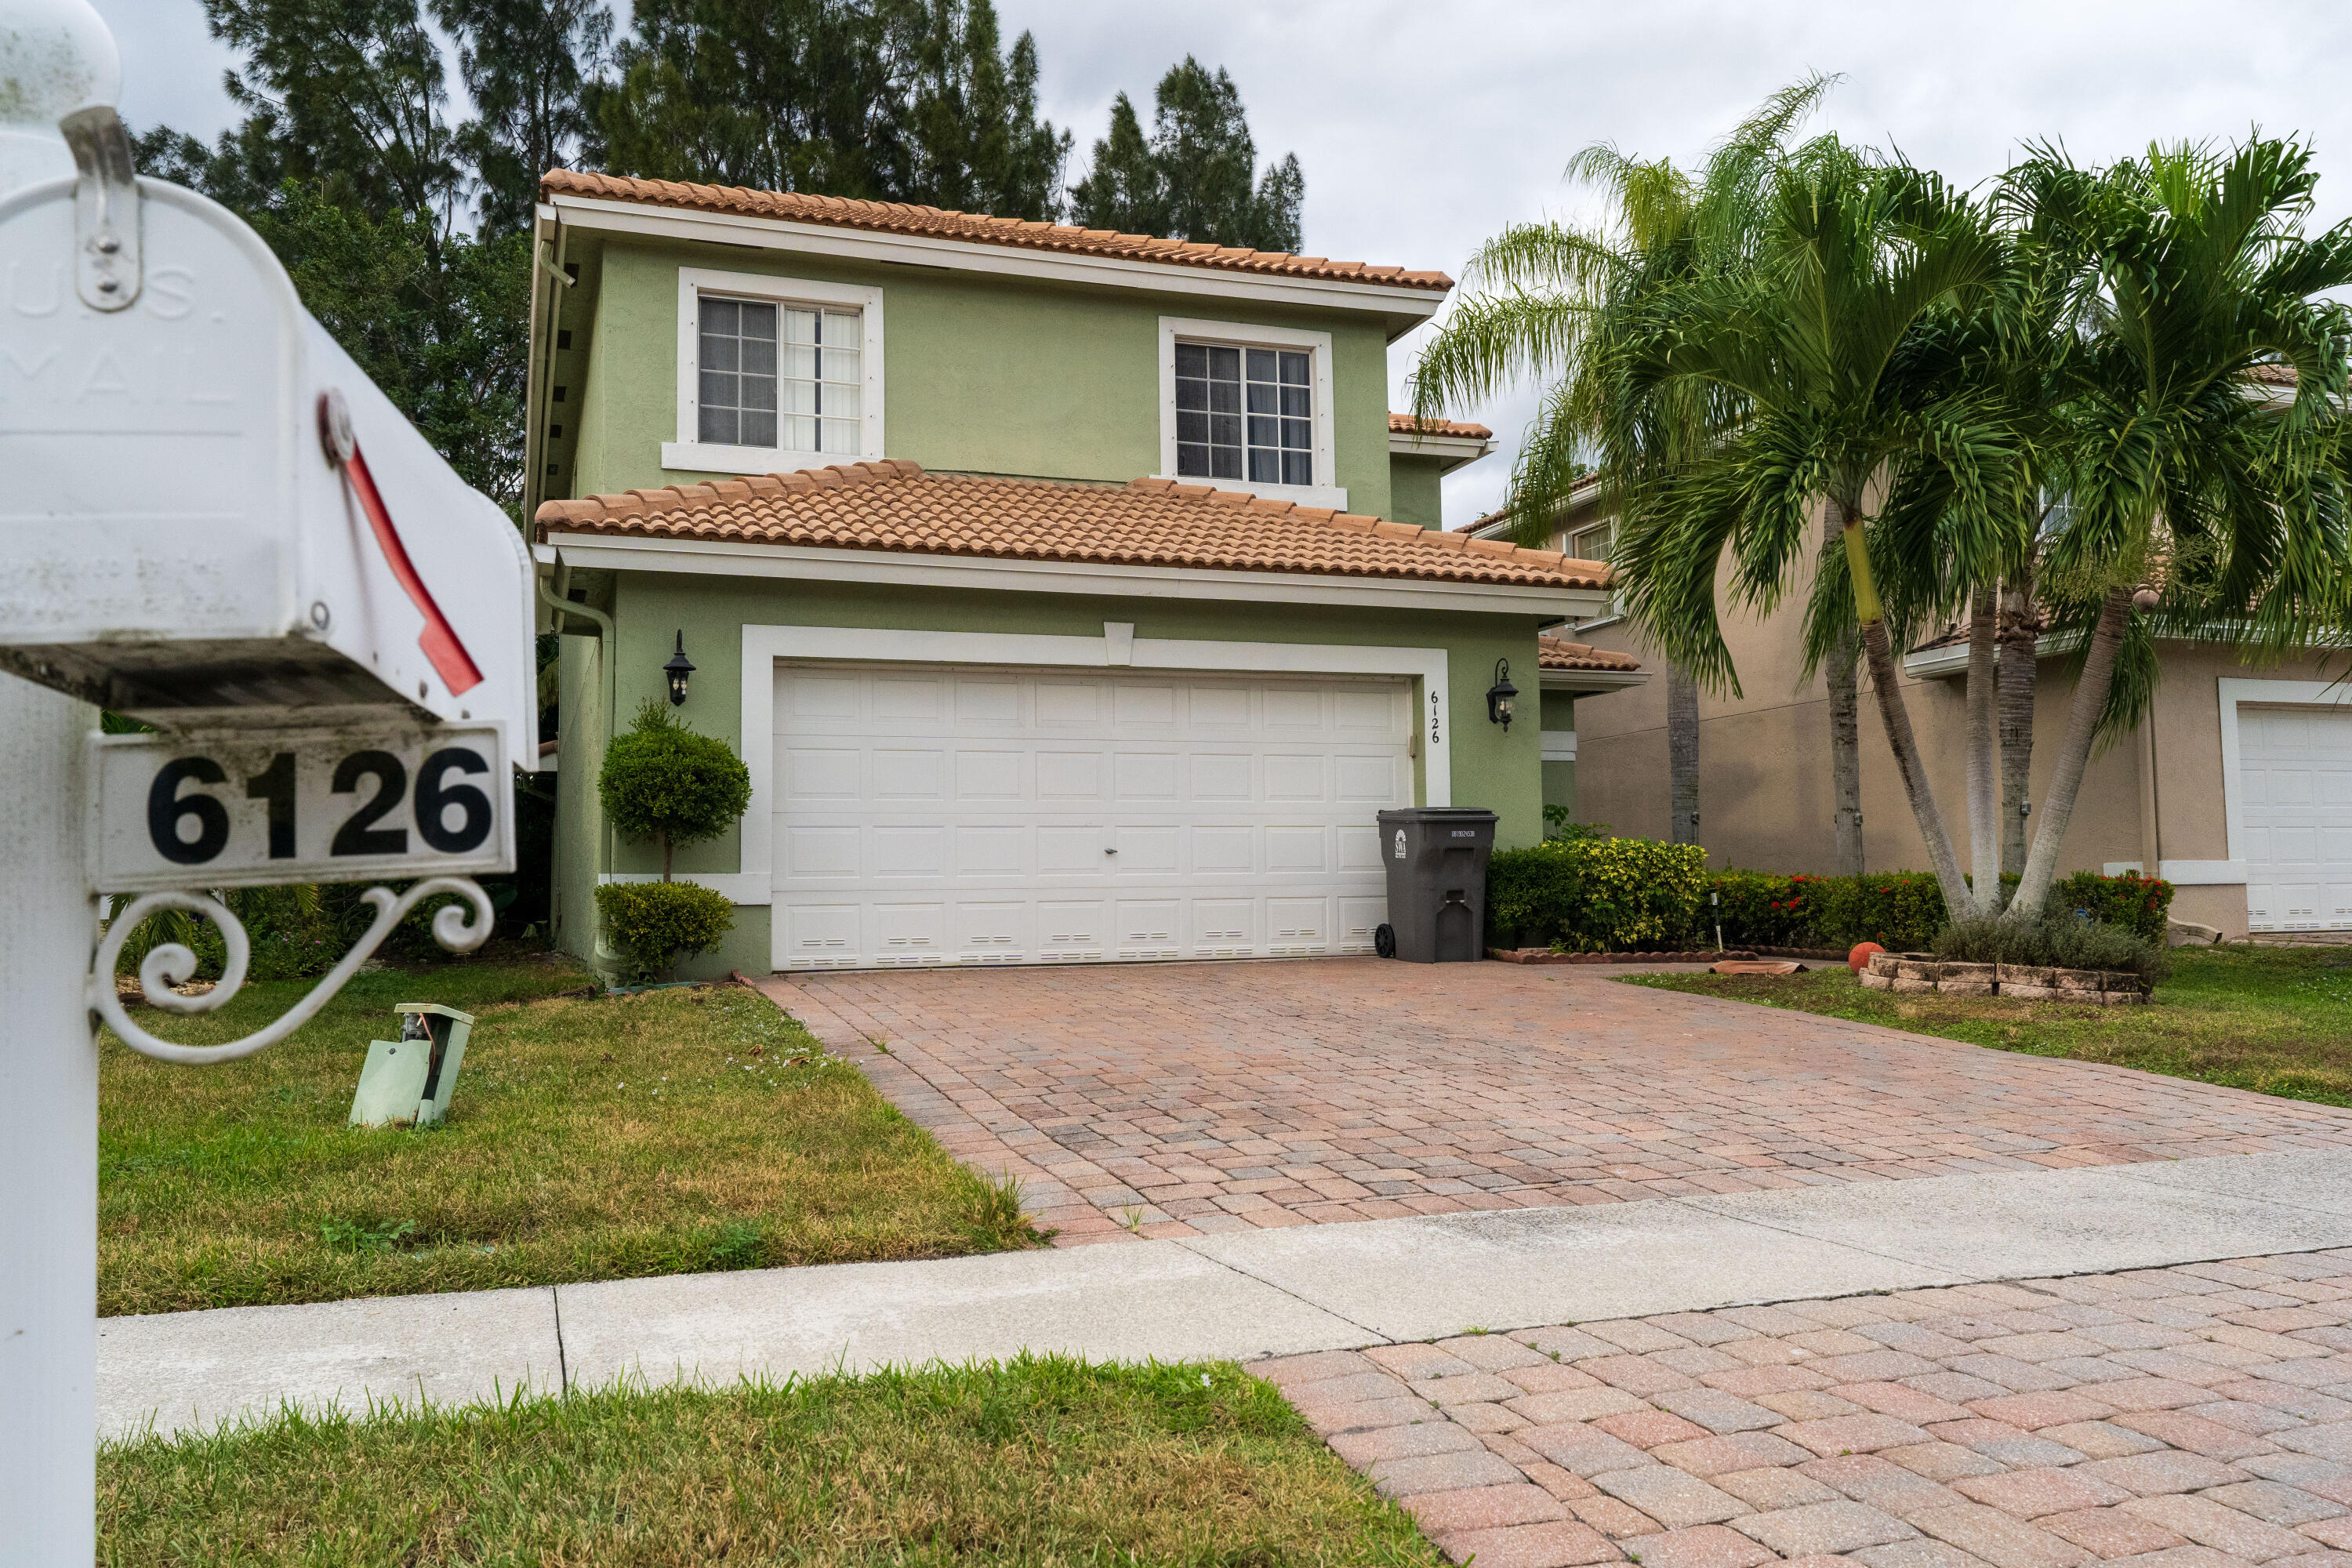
(1403, 306)
(1589, 680)
(810, 564)
(1451, 451)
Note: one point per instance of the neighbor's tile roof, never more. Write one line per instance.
(1558, 653)
(899, 217)
(895, 506)
(1406, 424)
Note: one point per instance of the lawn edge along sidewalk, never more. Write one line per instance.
(1240, 1295)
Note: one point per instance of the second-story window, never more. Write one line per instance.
(1245, 413)
(775, 375)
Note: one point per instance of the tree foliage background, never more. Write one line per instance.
(406, 223)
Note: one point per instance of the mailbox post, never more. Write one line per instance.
(215, 522)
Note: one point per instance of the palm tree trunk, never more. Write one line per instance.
(2020, 627)
(1983, 760)
(1682, 752)
(1896, 718)
(1845, 730)
(2090, 690)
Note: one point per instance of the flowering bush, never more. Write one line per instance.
(2141, 905)
(1900, 910)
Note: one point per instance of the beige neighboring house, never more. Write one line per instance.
(2237, 787)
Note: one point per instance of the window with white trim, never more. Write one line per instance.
(775, 374)
(1594, 542)
(1245, 413)
(1248, 406)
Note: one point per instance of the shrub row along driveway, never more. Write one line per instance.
(1179, 1099)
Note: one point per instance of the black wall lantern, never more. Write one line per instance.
(1501, 696)
(678, 667)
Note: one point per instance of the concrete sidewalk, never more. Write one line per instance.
(1241, 1295)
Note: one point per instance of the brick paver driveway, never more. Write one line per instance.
(2190, 1417)
(1169, 1099)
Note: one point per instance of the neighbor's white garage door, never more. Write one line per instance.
(2296, 764)
(949, 814)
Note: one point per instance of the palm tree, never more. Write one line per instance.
(2195, 507)
(1844, 403)
(1558, 301)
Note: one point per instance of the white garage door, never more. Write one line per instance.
(2295, 766)
(949, 815)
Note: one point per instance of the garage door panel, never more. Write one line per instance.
(812, 851)
(988, 777)
(1292, 850)
(811, 776)
(1066, 850)
(1217, 706)
(904, 775)
(1292, 777)
(2296, 780)
(936, 816)
(1071, 775)
(1222, 776)
(1144, 776)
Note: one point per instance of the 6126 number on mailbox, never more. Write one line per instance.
(298, 806)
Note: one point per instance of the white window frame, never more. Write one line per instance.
(689, 454)
(1240, 335)
(1616, 611)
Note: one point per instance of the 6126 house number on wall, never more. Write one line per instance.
(169, 811)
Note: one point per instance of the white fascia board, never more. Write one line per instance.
(1937, 663)
(1451, 450)
(1558, 745)
(1592, 679)
(1005, 260)
(807, 563)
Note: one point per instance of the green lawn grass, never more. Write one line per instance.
(2277, 1020)
(1042, 1461)
(591, 1138)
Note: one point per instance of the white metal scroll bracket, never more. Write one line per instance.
(106, 272)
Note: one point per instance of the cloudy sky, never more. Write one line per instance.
(1422, 128)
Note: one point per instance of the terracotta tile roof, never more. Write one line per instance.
(895, 506)
(1406, 424)
(1558, 653)
(898, 217)
(2275, 375)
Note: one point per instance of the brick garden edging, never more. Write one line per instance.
(1919, 972)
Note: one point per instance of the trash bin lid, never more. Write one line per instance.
(433, 1007)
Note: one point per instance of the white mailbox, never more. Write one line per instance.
(213, 519)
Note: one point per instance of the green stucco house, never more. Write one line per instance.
(1071, 596)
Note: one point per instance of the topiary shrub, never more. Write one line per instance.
(2141, 905)
(656, 924)
(662, 781)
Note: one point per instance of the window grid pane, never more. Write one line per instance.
(1245, 413)
(780, 377)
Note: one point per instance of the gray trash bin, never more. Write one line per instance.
(1436, 856)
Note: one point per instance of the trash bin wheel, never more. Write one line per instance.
(1384, 941)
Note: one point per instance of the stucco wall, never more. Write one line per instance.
(1766, 795)
(1416, 491)
(1490, 768)
(982, 373)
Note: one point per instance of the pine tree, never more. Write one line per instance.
(1193, 179)
(528, 65)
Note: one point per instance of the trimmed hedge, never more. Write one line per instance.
(1903, 910)
(1596, 895)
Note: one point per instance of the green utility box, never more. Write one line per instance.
(408, 1082)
